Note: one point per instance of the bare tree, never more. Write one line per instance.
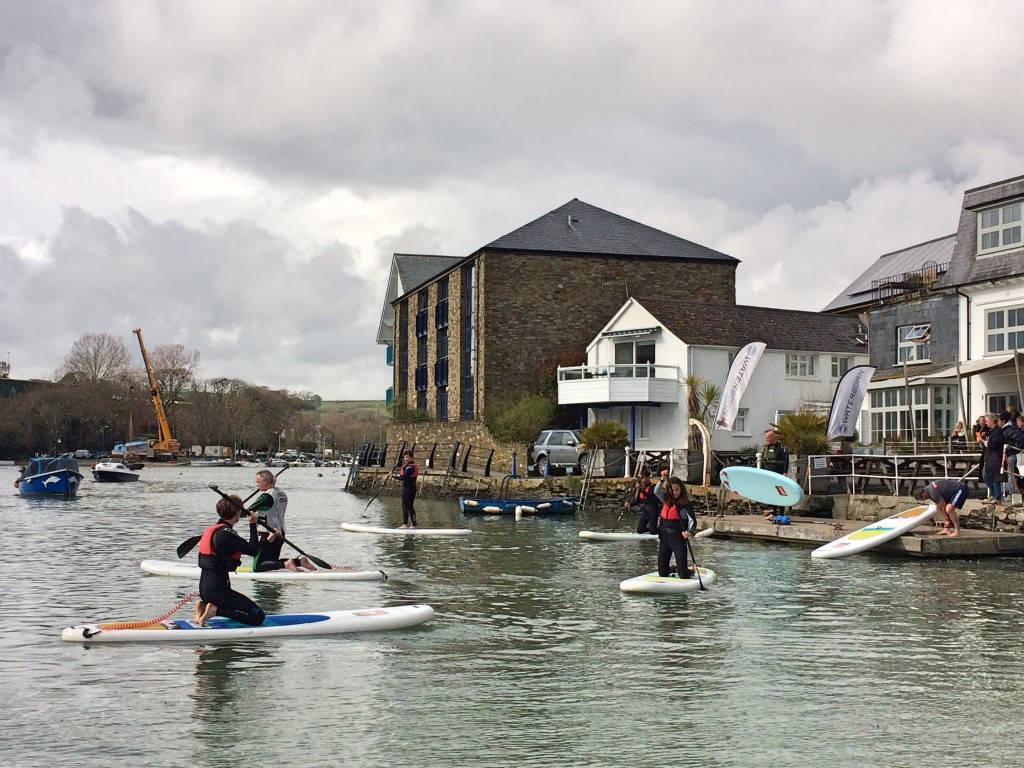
(96, 357)
(174, 368)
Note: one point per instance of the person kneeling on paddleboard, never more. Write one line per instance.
(676, 523)
(220, 553)
(949, 496)
(272, 504)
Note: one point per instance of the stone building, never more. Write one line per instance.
(485, 328)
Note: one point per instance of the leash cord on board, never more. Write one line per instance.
(140, 624)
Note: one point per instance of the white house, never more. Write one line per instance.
(638, 366)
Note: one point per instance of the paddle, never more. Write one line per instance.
(317, 560)
(696, 567)
(391, 474)
(190, 543)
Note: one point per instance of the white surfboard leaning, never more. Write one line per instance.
(185, 570)
(762, 486)
(360, 528)
(876, 533)
(617, 536)
(667, 585)
(275, 625)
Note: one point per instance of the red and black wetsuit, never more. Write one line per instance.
(220, 553)
(650, 508)
(674, 519)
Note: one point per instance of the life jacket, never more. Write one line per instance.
(410, 472)
(211, 560)
(647, 498)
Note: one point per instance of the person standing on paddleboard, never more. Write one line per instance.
(774, 458)
(220, 553)
(676, 523)
(271, 505)
(650, 505)
(408, 474)
(949, 496)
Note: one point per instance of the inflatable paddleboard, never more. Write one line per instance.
(619, 536)
(762, 486)
(359, 528)
(184, 570)
(876, 533)
(275, 625)
(666, 585)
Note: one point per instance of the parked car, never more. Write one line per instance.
(559, 449)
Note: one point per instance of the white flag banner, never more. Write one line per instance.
(850, 391)
(739, 376)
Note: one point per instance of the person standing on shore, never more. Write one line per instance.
(408, 474)
(774, 458)
(993, 459)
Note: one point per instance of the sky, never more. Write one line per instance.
(236, 176)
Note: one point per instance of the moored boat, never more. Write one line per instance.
(563, 505)
(113, 472)
(50, 476)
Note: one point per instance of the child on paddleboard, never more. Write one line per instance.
(676, 524)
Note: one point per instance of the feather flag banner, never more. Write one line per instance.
(846, 404)
(739, 376)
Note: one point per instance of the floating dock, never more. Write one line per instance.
(923, 541)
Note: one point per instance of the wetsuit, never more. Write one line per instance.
(271, 506)
(650, 509)
(408, 475)
(220, 553)
(673, 520)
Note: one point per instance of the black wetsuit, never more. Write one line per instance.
(650, 508)
(671, 524)
(408, 475)
(220, 553)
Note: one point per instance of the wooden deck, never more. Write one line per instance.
(921, 542)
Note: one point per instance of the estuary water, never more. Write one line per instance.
(534, 657)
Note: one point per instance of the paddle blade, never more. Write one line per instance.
(320, 563)
(187, 546)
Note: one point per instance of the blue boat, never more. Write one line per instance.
(563, 505)
(50, 476)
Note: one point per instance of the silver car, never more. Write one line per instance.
(561, 449)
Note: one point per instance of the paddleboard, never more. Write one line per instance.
(762, 486)
(617, 536)
(359, 528)
(666, 585)
(876, 533)
(275, 625)
(185, 570)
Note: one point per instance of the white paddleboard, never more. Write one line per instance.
(664, 585)
(359, 528)
(275, 625)
(185, 570)
(876, 533)
(762, 486)
(617, 536)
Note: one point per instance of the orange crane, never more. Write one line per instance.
(164, 441)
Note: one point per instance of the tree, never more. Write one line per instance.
(96, 357)
(174, 369)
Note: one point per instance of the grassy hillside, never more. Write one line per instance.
(340, 406)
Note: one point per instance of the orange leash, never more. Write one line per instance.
(140, 624)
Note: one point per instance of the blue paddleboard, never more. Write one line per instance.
(762, 486)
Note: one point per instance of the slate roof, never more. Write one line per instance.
(911, 259)
(966, 267)
(581, 228)
(730, 325)
(416, 269)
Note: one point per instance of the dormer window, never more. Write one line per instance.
(912, 343)
(999, 228)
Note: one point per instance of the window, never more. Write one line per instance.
(800, 366)
(934, 412)
(997, 403)
(1004, 330)
(840, 365)
(912, 344)
(634, 353)
(999, 228)
(739, 426)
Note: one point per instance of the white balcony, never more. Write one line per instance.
(610, 384)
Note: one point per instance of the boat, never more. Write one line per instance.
(50, 476)
(113, 472)
(275, 625)
(187, 571)
(563, 505)
(214, 462)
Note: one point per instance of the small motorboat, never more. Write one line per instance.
(50, 476)
(113, 472)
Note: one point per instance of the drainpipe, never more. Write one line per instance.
(967, 411)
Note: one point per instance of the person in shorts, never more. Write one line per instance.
(949, 496)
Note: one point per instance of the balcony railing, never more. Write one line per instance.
(609, 384)
(636, 371)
